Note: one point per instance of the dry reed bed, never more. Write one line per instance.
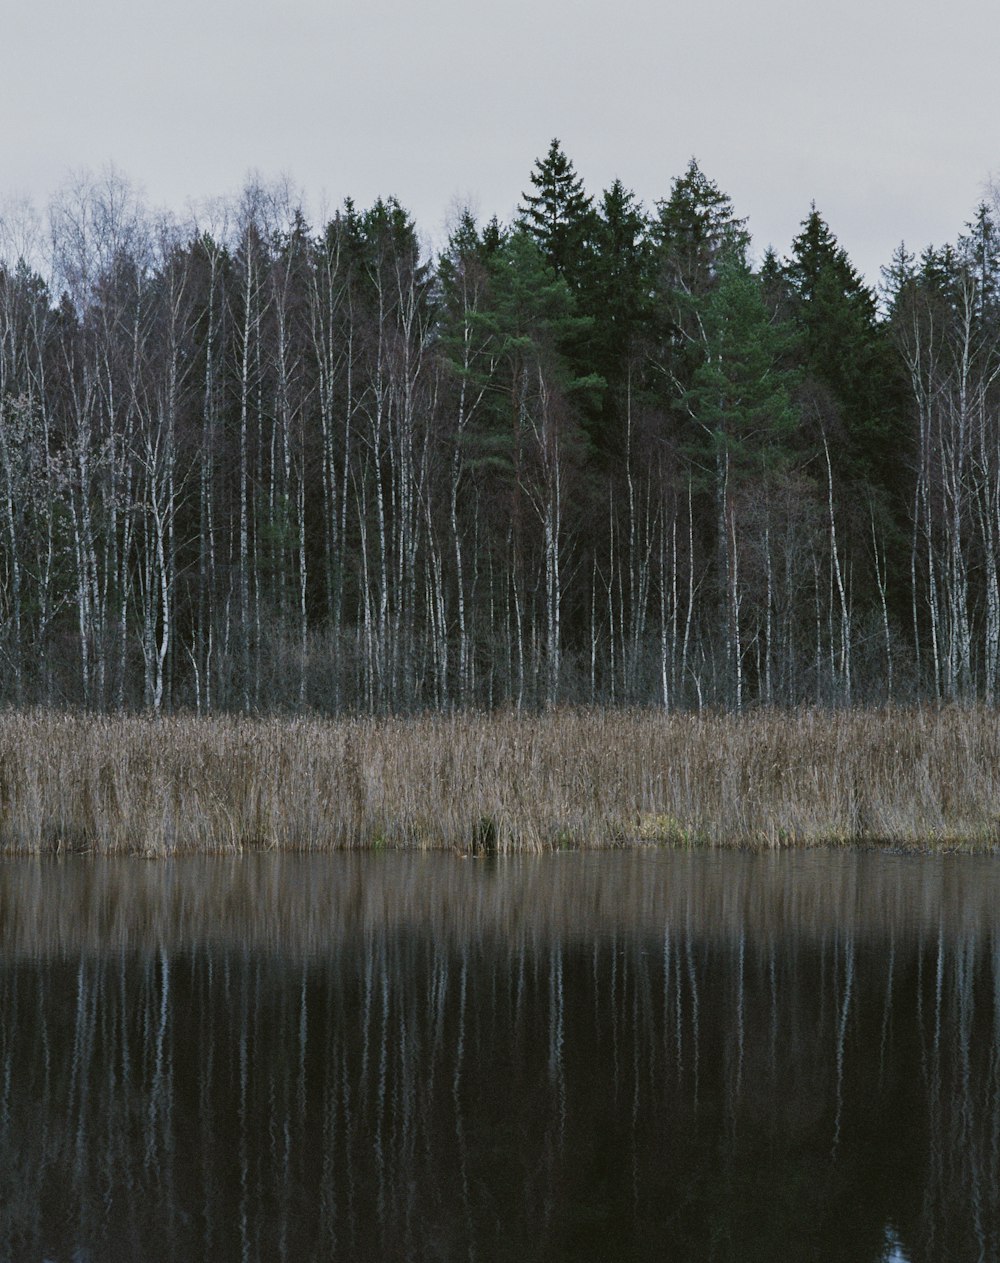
(581, 778)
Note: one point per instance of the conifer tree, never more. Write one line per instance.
(559, 215)
(613, 303)
(740, 396)
(532, 318)
(693, 231)
(742, 417)
(848, 354)
(617, 295)
(980, 248)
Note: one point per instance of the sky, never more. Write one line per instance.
(885, 113)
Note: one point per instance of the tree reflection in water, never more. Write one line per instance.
(579, 1057)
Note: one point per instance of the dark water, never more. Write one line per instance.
(575, 1057)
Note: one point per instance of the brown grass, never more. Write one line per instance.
(572, 778)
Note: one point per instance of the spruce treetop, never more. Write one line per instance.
(695, 227)
(558, 214)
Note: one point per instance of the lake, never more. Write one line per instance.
(602, 1056)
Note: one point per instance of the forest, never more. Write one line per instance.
(601, 454)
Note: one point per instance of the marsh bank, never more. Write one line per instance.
(573, 778)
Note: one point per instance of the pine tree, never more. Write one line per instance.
(740, 396)
(518, 318)
(742, 417)
(533, 316)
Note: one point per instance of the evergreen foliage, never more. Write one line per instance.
(740, 397)
(596, 454)
(846, 354)
(558, 215)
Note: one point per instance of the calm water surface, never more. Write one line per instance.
(581, 1057)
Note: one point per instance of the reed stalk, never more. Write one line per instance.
(910, 778)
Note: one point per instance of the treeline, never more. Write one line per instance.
(594, 455)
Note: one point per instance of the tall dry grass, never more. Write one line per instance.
(915, 777)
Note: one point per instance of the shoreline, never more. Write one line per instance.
(903, 779)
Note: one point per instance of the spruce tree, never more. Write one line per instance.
(617, 294)
(615, 297)
(741, 421)
(740, 396)
(559, 216)
(693, 231)
(559, 219)
(848, 356)
(468, 339)
(694, 228)
(979, 247)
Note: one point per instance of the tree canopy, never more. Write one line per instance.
(601, 453)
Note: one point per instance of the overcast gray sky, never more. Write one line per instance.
(885, 112)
